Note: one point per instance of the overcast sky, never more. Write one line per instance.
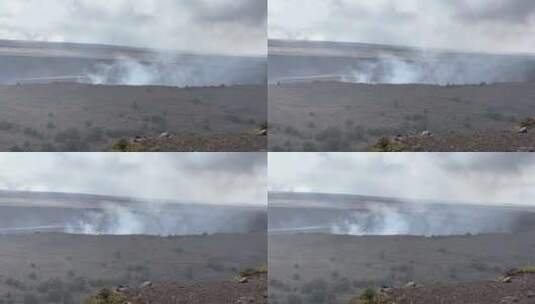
(225, 178)
(492, 178)
(215, 26)
(477, 25)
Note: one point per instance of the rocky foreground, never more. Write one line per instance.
(520, 138)
(248, 288)
(517, 286)
(254, 141)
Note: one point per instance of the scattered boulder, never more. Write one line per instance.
(523, 130)
(165, 135)
(506, 280)
(245, 300)
(509, 300)
(243, 280)
(146, 284)
(411, 285)
(122, 288)
(426, 133)
(138, 139)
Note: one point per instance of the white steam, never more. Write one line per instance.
(457, 70)
(169, 70)
(126, 72)
(151, 220)
(424, 221)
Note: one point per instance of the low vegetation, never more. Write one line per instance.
(106, 296)
(369, 296)
(385, 144)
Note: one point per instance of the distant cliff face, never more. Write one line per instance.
(24, 212)
(24, 61)
(370, 63)
(365, 215)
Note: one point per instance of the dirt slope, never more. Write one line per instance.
(254, 290)
(520, 290)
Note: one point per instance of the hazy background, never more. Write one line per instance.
(491, 178)
(473, 25)
(201, 26)
(216, 178)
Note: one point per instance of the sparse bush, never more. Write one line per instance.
(234, 119)
(70, 135)
(48, 147)
(495, 116)
(252, 271)
(368, 296)
(32, 133)
(309, 147)
(294, 299)
(54, 284)
(122, 145)
(106, 296)
(159, 123)
(521, 271)
(292, 131)
(7, 126)
(189, 273)
(331, 138)
(30, 298)
(215, 266)
(78, 284)
(342, 286)
(14, 283)
(95, 135)
(50, 125)
(528, 122)
(16, 148)
(117, 255)
(317, 291)
(196, 101)
(386, 145)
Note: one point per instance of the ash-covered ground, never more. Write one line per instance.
(62, 248)
(76, 97)
(330, 248)
(346, 96)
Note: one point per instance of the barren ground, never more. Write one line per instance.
(323, 268)
(79, 117)
(63, 268)
(333, 116)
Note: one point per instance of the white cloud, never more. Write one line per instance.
(224, 178)
(215, 26)
(476, 25)
(492, 178)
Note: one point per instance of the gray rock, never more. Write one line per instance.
(146, 284)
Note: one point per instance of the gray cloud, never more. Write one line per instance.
(475, 25)
(225, 178)
(215, 26)
(492, 178)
